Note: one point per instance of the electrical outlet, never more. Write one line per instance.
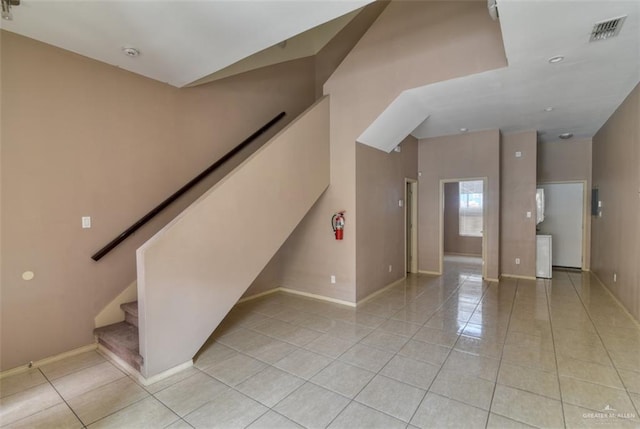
(529, 215)
(400, 203)
(518, 154)
(333, 280)
(615, 277)
(517, 261)
(390, 268)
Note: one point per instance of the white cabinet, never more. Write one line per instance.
(543, 256)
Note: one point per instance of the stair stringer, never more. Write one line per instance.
(192, 272)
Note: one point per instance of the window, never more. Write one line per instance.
(470, 210)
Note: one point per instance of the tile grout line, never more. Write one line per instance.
(450, 349)
(547, 285)
(351, 400)
(615, 367)
(63, 398)
(495, 386)
(392, 357)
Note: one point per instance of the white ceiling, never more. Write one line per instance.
(180, 41)
(184, 41)
(584, 89)
(302, 45)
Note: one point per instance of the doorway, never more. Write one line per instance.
(463, 219)
(564, 215)
(411, 225)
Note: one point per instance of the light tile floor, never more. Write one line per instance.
(450, 351)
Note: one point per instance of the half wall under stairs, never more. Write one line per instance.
(193, 271)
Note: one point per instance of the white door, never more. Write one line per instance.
(563, 220)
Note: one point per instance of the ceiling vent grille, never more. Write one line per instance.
(606, 29)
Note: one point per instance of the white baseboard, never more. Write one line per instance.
(136, 374)
(615, 298)
(515, 276)
(259, 295)
(472, 255)
(430, 273)
(297, 292)
(314, 296)
(379, 291)
(48, 360)
(487, 279)
(165, 374)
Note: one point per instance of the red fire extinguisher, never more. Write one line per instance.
(337, 223)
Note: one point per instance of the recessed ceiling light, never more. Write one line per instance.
(130, 52)
(548, 109)
(565, 136)
(464, 130)
(556, 59)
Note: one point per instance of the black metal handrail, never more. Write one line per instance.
(146, 218)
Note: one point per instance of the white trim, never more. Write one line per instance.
(615, 298)
(586, 216)
(379, 291)
(320, 297)
(164, 374)
(135, 373)
(258, 295)
(297, 292)
(515, 276)
(472, 255)
(485, 199)
(48, 360)
(491, 280)
(414, 218)
(430, 273)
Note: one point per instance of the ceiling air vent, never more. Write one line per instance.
(606, 29)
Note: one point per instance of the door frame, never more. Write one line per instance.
(485, 181)
(414, 221)
(586, 212)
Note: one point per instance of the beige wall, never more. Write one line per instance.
(332, 54)
(82, 138)
(615, 245)
(463, 156)
(569, 161)
(517, 197)
(409, 45)
(453, 241)
(196, 268)
(380, 184)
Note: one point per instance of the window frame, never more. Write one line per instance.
(465, 211)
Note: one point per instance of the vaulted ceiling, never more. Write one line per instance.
(181, 42)
(194, 41)
(576, 95)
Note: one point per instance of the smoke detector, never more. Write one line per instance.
(130, 52)
(606, 29)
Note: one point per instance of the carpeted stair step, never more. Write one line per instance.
(130, 312)
(122, 339)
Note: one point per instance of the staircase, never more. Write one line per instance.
(194, 270)
(122, 338)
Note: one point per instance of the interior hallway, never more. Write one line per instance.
(448, 351)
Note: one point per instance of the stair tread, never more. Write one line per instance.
(130, 307)
(121, 337)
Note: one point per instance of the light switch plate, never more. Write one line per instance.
(86, 222)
